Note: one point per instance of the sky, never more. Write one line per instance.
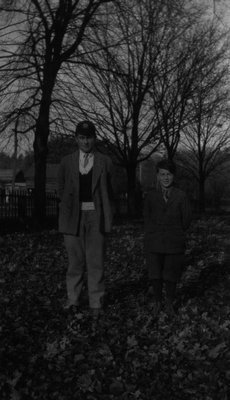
(221, 9)
(216, 8)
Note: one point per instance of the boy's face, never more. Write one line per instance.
(165, 178)
(85, 143)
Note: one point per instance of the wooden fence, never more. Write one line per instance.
(20, 205)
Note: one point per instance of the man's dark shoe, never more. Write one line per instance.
(150, 292)
(70, 306)
(156, 307)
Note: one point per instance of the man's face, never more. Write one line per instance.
(165, 178)
(85, 143)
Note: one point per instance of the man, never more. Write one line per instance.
(85, 215)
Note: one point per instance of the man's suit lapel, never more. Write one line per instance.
(75, 168)
(97, 168)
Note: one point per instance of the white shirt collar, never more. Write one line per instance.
(82, 154)
(84, 170)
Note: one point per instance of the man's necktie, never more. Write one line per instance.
(86, 160)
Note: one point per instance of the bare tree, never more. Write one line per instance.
(207, 136)
(43, 37)
(117, 82)
(202, 47)
(135, 83)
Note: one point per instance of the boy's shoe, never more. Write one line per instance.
(155, 309)
(96, 313)
(169, 309)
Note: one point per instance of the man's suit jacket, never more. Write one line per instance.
(68, 192)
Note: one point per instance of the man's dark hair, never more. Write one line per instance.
(86, 128)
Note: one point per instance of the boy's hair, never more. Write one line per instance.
(166, 164)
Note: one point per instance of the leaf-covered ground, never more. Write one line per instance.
(48, 354)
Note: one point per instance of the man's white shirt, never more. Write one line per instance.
(82, 168)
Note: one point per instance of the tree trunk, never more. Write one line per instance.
(15, 157)
(131, 190)
(202, 195)
(40, 158)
